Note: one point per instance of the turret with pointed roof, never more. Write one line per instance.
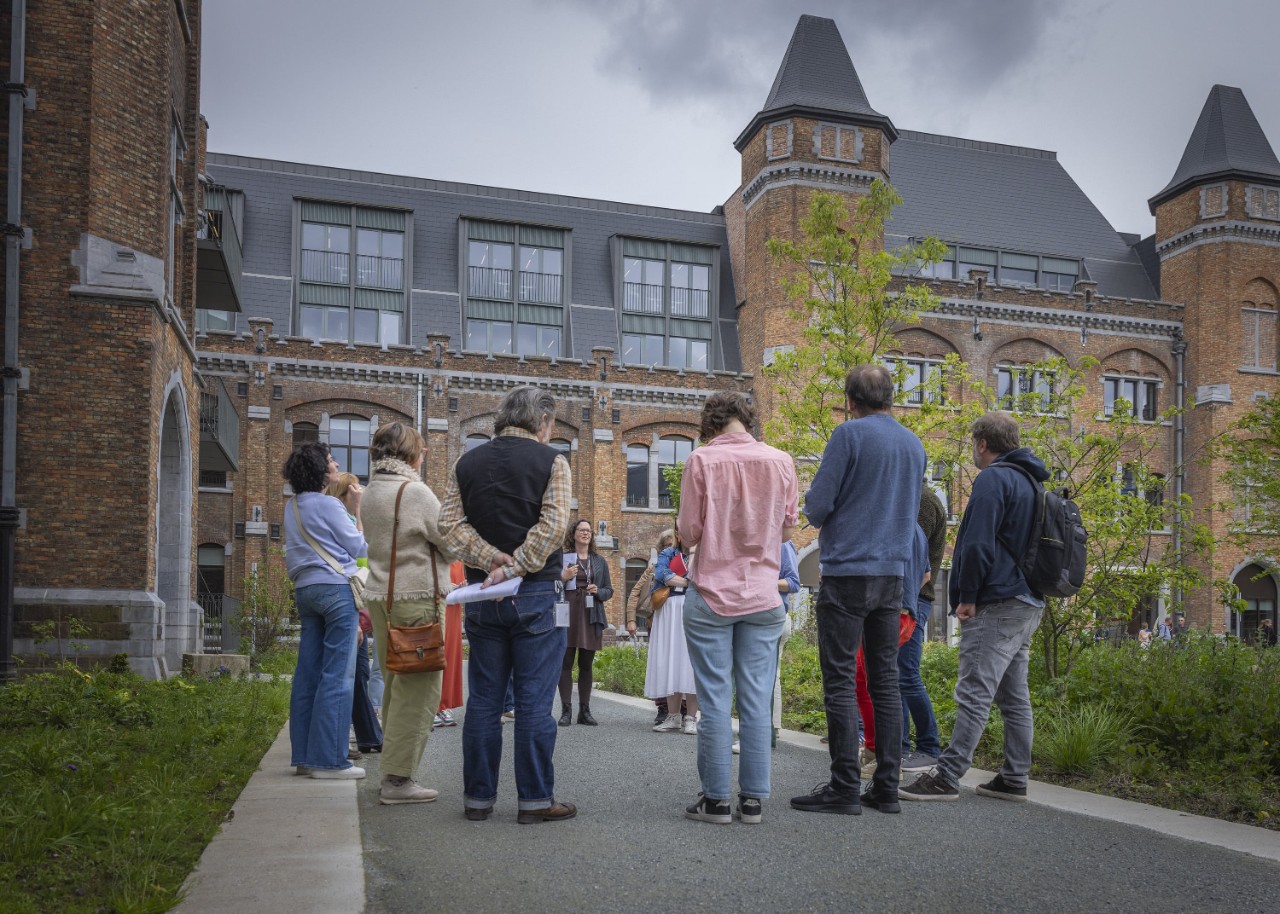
(817, 79)
(1227, 142)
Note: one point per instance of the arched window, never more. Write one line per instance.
(304, 432)
(473, 441)
(637, 476)
(1258, 591)
(672, 450)
(349, 444)
(565, 447)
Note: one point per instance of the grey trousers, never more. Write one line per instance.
(994, 647)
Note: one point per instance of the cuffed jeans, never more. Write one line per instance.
(729, 651)
(325, 678)
(994, 650)
(853, 610)
(512, 640)
(410, 700)
(916, 706)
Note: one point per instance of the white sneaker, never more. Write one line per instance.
(690, 726)
(337, 774)
(671, 724)
(408, 792)
(737, 747)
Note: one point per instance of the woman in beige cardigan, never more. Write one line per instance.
(410, 700)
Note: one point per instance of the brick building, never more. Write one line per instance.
(331, 301)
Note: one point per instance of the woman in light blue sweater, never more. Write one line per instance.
(324, 681)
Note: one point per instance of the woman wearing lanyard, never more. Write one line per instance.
(587, 587)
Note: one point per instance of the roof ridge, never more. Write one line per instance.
(941, 139)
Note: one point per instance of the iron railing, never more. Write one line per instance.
(642, 298)
(688, 302)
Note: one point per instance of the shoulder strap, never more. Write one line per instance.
(320, 550)
(1037, 519)
(391, 576)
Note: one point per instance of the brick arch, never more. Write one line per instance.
(385, 409)
(1126, 359)
(1260, 293)
(643, 432)
(918, 342)
(1024, 351)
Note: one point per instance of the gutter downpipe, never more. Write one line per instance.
(1179, 441)
(13, 239)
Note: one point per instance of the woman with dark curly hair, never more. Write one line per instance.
(321, 548)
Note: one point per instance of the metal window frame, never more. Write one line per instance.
(714, 353)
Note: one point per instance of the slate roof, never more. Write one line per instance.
(1227, 142)
(817, 77)
(990, 195)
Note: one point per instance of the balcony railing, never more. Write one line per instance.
(540, 288)
(326, 266)
(487, 282)
(688, 302)
(641, 298)
(220, 257)
(219, 429)
(379, 272)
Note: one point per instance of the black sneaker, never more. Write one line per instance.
(823, 799)
(749, 810)
(1000, 790)
(708, 810)
(566, 716)
(662, 715)
(929, 786)
(873, 800)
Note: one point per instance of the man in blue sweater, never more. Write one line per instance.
(864, 500)
(998, 614)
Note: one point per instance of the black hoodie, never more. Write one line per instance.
(996, 526)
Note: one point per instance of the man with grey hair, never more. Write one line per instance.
(506, 513)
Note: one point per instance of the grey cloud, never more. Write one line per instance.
(728, 49)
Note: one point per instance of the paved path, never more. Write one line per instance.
(630, 849)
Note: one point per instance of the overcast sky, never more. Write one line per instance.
(640, 100)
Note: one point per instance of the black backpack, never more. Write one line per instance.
(1053, 561)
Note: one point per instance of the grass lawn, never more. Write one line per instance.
(113, 785)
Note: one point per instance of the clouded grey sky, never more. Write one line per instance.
(640, 100)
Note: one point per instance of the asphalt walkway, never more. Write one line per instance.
(631, 849)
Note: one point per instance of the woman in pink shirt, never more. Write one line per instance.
(739, 499)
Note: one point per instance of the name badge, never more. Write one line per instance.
(591, 601)
(562, 614)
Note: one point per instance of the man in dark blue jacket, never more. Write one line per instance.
(998, 614)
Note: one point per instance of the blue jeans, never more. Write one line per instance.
(325, 678)
(512, 640)
(916, 706)
(726, 651)
(365, 722)
(376, 683)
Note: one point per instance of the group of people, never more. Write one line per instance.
(717, 589)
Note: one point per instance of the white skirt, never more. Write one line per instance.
(669, 670)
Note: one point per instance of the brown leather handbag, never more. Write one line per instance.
(412, 648)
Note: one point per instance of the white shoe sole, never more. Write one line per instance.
(401, 801)
(997, 795)
(337, 774)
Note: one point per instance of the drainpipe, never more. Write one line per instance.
(1179, 442)
(14, 236)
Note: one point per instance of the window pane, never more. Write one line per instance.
(637, 476)
(339, 238)
(389, 327)
(552, 262)
(339, 432)
(500, 336)
(367, 242)
(366, 326)
(683, 448)
(632, 269)
(360, 431)
(478, 336)
(478, 254)
(473, 441)
(698, 355)
(528, 339)
(699, 277)
(630, 350)
(1108, 396)
(652, 350)
(312, 236)
(680, 275)
(312, 322)
(666, 452)
(654, 272)
(360, 463)
(337, 323)
(677, 349)
(531, 260)
(501, 255)
(1010, 276)
(550, 338)
(393, 245)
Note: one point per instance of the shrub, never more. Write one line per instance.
(268, 612)
(621, 669)
(802, 703)
(1081, 740)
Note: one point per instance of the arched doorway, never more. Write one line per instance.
(173, 534)
(1258, 591)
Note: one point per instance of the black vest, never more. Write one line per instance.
(502, 484)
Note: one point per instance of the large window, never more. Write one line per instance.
(1137, 395)
(471, 442)
(349, 444)
(1024, 389)
(1258, 338)
(1007, 268)
(666, 304)
(305, 432)
(515, 290)
(646, 484)
(912, 378)
(352, 273)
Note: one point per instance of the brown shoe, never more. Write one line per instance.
(477, 813)
(553, 813)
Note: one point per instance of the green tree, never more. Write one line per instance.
(269, 612)
(1251, 449)
(840, 281)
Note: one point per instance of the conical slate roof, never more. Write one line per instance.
(817, 78)
(1227, 142)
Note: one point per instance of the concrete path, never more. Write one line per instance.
(298, 845)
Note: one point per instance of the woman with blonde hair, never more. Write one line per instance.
(347, 489)
(398, 503)
(669, 673)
